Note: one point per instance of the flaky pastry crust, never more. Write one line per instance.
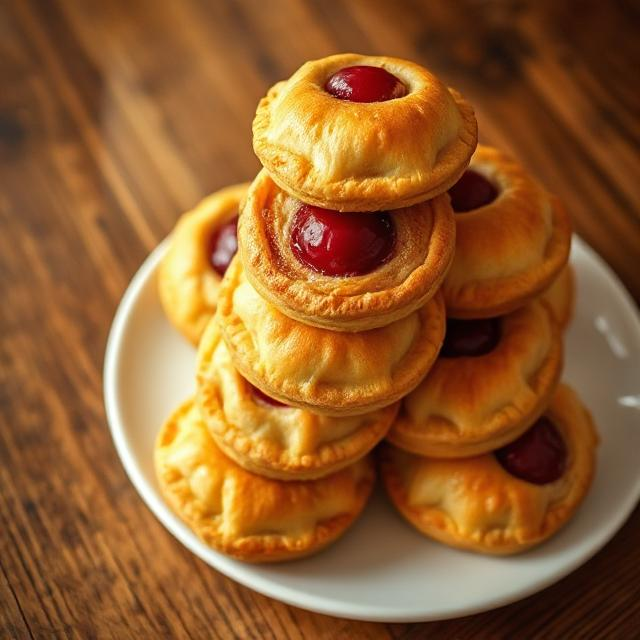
(363, 156)
(560, 296)
(475, 504)
(187, 284)
(286, 443)
(471, 405)
(509, 251)
(328, 372)
(423, 252)
(246, 516)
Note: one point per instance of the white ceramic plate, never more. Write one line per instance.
(383, 570)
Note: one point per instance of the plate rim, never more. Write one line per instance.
(286, 594)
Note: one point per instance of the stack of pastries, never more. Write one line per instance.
(392, 281)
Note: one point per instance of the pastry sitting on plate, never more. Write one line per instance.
(273, 439)
(200, 249)
(512, 238)
(492, 379)
(505, 501)
(246, 516)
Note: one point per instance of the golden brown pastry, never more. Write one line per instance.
(343, 271)
(275, 440)
(512, 238)
(387, 137)
(199, 248)
(328, 372)
(560, 296)
(246, 516)
(505, 502)
(492, 380)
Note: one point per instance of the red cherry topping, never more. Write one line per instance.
(470, 338)
(538, 456)
(263, 398)
(341, 244)
(365, 84)
(472, 191)
(223, 245)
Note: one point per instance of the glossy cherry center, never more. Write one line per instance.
(223, 245)
(538, 456)
(341, 244)
(472, 191)
(365, 84)
(470, 338)
(263, 398)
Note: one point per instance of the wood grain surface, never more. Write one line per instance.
(117, 115)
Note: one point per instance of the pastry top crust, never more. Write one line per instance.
(560, 296)
(249, 517)
(510, 250)
(470, 405)
(281, 442)
(354, 156)
(325, 371)
(475, 503)
(425, 240)
(187, 284)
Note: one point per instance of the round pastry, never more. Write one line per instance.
(200, 249)
(492, 380)
(364, 133)
(246, 516)
(502, 502)
(328, 372)
(512, 238)
(560, 296)
(270, 438)
(343, 271)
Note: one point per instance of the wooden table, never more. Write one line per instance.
(115, 117)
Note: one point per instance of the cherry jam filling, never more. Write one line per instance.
(341, 244)
(223, 245)
(365, 84)
(262, 398)
(538, 456)
(471, 192)
(470, 338)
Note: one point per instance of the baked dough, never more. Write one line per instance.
(187, 284)
(466, 406)
(246, 516)
(353, 156)
(328, 372)
(425, 240)
(509, 251)
(280, 442)
(475, 504)
(560, 296)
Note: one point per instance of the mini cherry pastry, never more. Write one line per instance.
(365, 84)
(512, 238)
(270, 438)
(200, 248)
(364, 133)
(343, 271)
(502, 502)
(247, 516)
(327, 372)
(491, 381)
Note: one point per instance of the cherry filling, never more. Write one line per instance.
(263, 398)
(223, 245)
(341, 244)
(365, 84)
(470, 338)
(472, 191)
(538, 456)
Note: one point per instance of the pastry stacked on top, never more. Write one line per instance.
(488, 453)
